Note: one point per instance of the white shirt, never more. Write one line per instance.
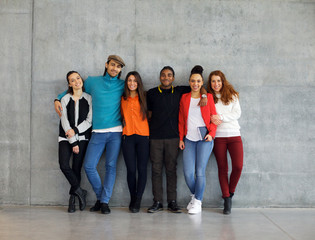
(194, 120)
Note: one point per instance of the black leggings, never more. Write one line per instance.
(73, 174)
(135, 149)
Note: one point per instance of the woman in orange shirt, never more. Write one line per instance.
(135, 142)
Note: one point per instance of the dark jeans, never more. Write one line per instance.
(164, 151)
(135, 149)
(73, 174)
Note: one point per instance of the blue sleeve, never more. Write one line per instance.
(61, 95)
(87, 85)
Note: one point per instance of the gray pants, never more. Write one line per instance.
(164, 151)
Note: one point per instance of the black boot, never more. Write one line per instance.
(71, 208)
(81, 194)
(132, 203)
(96, 207)
(227, 205)
(136, 206)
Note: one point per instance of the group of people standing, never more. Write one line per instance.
(148, 125)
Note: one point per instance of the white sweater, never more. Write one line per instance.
(229, 115)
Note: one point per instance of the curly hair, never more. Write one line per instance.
(228, 93)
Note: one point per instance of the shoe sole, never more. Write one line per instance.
(105, 212)
(159, 210)
(178, 211)
(94, 210)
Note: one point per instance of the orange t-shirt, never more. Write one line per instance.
(131, 112)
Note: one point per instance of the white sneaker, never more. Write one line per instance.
(196, 207)
(191, 201)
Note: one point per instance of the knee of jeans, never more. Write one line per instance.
(189, 175)
(88, 167)
(200, 173)
(110, 167)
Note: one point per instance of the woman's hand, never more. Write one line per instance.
(58, 108)
(208, 138)
(216, 119)
(70, 133)
(75, 149)
(181, 145)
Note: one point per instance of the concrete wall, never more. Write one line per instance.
(266, 49)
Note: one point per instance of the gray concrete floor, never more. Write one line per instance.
(24, 222)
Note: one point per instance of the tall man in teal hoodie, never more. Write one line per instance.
(106, 92)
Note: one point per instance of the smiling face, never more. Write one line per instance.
(113, 68)
(195, 82)
(166, 78)
(75, 81)
(216, 83)
(132, 83)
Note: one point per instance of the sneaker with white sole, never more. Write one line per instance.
(196, 207)
(191, 201)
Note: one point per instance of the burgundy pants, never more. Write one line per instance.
(235, 147)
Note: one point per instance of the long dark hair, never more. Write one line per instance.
(140, 91)
(70, 90)
(105, 71)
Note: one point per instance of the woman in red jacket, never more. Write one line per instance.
(194, 124)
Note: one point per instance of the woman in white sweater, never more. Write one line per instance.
(228, 136)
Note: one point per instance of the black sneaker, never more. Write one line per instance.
(104, 208)
(173, 207)
(96, 207)
(156, 207)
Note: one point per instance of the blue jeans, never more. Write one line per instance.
(195, 159)
(99, 141)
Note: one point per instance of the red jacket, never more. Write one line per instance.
(206, 112)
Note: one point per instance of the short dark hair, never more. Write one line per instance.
(105, 71)
(168, 68)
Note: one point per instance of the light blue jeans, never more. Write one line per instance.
(195, 159)
(99, 141)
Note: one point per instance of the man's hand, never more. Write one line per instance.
(58, 107)
(75, 149)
